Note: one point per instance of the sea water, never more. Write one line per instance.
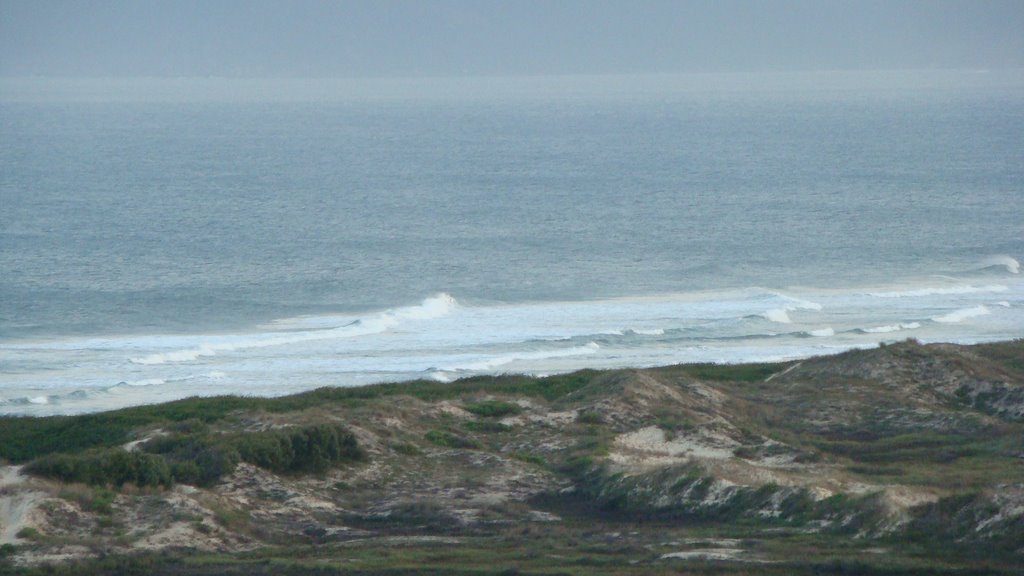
(169, 238)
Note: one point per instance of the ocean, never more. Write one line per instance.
(165, 238)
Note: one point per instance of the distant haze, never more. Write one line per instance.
(303, 38)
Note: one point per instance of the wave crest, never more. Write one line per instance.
(962, 314)
(431, 308)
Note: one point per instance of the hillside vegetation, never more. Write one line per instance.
(905, 459)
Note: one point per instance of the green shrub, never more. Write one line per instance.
(450, 440)
(29, 533)
(494, 408)
(112, 466)
(531, 458)
(201, 459)
(406, 448)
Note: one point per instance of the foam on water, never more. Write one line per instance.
(963, 314)
(948, 290)
(441, 339)
(431, 308)
(1010, 264)
(891, 328)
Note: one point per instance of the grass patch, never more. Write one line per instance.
(493, 409)
(447, 439)
(201, 458)
(24, 438)
(486, 427)
(29, 533)
(732, 372)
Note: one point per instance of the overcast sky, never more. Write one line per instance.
(320, 38)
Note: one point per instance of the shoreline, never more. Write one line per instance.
(781, 364)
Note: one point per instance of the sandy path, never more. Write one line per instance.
(16, 502)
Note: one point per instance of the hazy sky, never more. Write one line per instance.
(318, 38)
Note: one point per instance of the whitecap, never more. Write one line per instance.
(940, 291)
(891, 328)
(147, 382)
(780, 315)
(501, 360)
(963, 314)
(824, 332)
(1010, 264)
(431, 308)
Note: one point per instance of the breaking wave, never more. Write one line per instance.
(781, 314)
(944, 291)
(431, 308)
(496, 361)
(962, 314)
(890, 328)
(1010, 264)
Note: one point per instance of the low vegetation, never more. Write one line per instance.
(201, 458)
(869, 462)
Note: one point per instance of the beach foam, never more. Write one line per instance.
(941, 291)
(891, 328)
(962, 314)
(431, 308)
(442, 339)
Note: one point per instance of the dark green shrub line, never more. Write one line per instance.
(732, 372)
(111, 466)
(25, 438)
(201, 459)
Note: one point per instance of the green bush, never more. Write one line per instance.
(29, 533)
(113, 466)
(201, 459)
(449, 440)
(494, 408)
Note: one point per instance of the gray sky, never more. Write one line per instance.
(318, 38)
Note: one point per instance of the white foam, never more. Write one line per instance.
(444, 340)
(440, 376)
(147, 382)
(494, 362)
(892, 328)
(39, 400)
(940, 291)
(780, 315)
(431, 308)
(650, 332)
(1011, 264)
(962, 314)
